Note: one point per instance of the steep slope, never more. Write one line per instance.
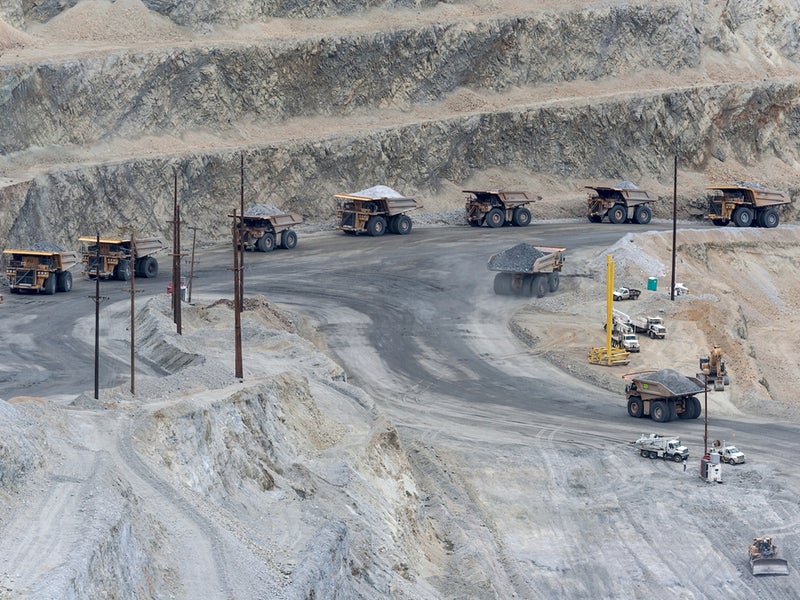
(421, 100)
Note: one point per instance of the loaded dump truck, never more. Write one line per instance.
(663, 395)
(745, 204)
(115, 258)
(763, 555)
(658, 446)
(527, 270)
(496, 208)
(375, 210)
(264, 228)
(622, 204)
(42, 271)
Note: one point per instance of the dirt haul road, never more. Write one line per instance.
(507, 477)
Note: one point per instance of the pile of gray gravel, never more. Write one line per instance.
(46, 247)
(262, 210)
(517, 259)
(678, 384)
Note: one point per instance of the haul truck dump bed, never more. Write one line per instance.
(527, 270)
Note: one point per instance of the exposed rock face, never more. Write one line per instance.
(89, 141)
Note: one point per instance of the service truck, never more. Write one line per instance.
(42, 271)
(659, 446)
(527, 270)
(652, 326)
(625, 293)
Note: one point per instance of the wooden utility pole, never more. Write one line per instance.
(237, 302)
(133, 292)
(241, 212)
(97, 300)
(674, 225)
(176, 257)
(191, 264)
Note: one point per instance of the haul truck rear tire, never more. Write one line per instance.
(642, 214)
(618, 214)
(502, 284)
(289, 239)
(540, 286)
(149, 267)
(659, 411)
(495, 218)
(553, 280)
(522, 217)
(64, 283)
(50, 285)
(403, 225)
(266, 243)
(376, 226)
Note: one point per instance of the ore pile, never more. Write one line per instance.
(262, 210)
(518, 259)
(678, 384)
(379, 191)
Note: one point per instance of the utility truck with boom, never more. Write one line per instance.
(659, 446)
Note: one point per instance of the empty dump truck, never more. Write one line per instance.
(663, 395)
(496, 208)
(114, 258)
(745, 204)
(375, 210)
(527, 270)
(622, 204)
(42, 271)
(264, 228)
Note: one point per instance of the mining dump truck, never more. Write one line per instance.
(263, 229)
(42, 271)
(496, 208)
(745, 204)
(622, 204)
(116, 258)
(663, 395)
(375, 210)
(763, 554)
(527, 270)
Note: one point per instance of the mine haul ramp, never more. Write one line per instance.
(619, 204)
(267, 232)
(745, 205)
(496, 208)
(41, 271)
(117, 259)
(527, 270)
(663, 395)
(374, 211)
